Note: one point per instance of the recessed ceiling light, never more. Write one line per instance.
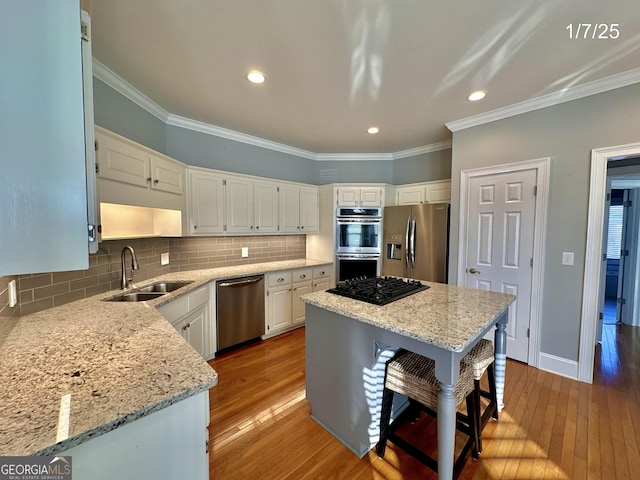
(254, 76)
(477, 95)
(373, 130)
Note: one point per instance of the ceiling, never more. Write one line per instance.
(336, 67)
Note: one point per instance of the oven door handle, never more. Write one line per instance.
(346, 255)
(368, 221)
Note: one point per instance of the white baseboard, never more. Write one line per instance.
(558, 365)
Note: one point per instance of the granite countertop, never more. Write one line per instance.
(115, 361)
(448, 316)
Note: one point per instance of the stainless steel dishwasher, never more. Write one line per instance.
(240, 310)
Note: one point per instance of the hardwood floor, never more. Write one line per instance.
(551, 427)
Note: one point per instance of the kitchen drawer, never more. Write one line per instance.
(302, 275)
(175, 309)
(322, 272)
(280, 278)
(198, 297)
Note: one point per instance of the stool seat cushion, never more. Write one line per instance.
(413, 375)
(479, 358)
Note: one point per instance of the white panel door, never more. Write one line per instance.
(500, 246)
(206, 201)
(266, 207)
(289, 209)
(239, 205)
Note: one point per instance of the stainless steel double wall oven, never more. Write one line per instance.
(358, 242)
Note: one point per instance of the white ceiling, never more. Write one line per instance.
(336, 67)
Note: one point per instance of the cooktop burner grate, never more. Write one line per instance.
(378, 290)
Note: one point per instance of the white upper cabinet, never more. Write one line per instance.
(125, 161)
(298, 212)
(239, 210)
(353, 196)
(266, 207)
(43, 186)
(206, 203)
(427, 192)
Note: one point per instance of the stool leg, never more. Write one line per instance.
(477, 409)
(492, 389)
(474, 431)
(385, 417)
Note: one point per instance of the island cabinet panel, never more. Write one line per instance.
(168, 444)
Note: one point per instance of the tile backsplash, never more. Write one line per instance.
(8, 315)
(45, 290)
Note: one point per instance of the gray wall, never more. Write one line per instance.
(567, 133)
(422, 168)
(203, 150)
(120, 115)
(117, 113)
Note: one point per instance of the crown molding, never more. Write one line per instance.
(566, 95)
(412, 152)
(108, 76)
(339, 157)
(209, 129)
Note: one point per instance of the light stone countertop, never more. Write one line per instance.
(119, 361)
(447, 316)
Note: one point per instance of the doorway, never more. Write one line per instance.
(595, 262)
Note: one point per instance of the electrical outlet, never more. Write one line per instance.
(245, 252)
(567, 258)
(13, 294)
(164, 259)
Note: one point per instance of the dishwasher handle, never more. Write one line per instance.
(239, 282)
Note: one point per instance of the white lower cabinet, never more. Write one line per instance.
(285, 310)
(191, 316)
(168, 444)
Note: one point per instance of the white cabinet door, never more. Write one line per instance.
(206, 203)
(239, 206)
(279, 308)
(167, 175)
(194, 327)
(438, 192)
(370, 197)
(43, 218)
(348, 196)
(410, 195)
(297, 307)
(309, 210)
(266, 207)
(122, 162)
(289, 211)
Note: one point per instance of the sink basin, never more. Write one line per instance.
(135, 296)
(163, 287)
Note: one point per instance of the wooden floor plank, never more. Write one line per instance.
(551, 427)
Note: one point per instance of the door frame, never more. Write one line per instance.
(542, 166)
(593, 254)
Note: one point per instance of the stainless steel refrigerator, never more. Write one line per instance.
(415, 242)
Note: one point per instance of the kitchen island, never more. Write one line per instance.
(348, 342)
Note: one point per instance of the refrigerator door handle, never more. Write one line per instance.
(413, 243)
(406, 242)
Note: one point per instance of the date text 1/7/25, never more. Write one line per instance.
(594, 31)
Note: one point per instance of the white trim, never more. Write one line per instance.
(104, 74)
(566, 95)
(542, 165)
(209, 129)
(591, 281)
(558, 365)
(339, 157)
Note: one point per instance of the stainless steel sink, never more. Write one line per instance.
(163, 287)
(148, 292)
(135, 296)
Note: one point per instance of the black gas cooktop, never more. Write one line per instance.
(378, 290)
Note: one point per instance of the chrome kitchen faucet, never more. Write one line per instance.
(124, 281)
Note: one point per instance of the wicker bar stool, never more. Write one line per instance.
(413, 375)
(480, 359)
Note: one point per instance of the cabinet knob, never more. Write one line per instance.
(251, 227)
(149, 179)
(195, 227)
(281, 280)
(156, 181)
(257, 227)
(302, 227)
(303, 276)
